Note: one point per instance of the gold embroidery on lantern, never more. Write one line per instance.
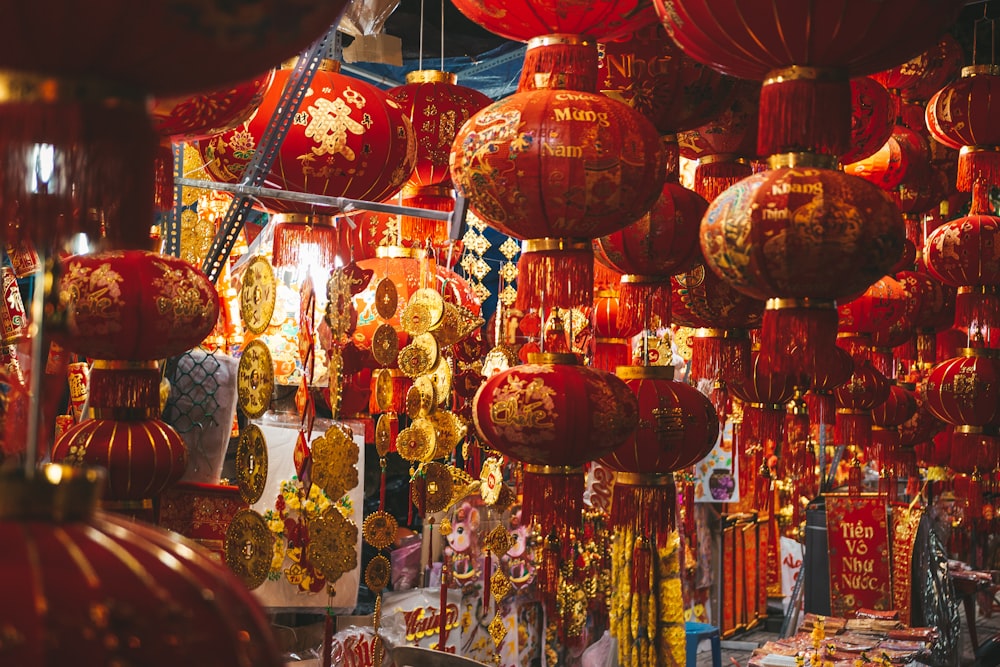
(329, 124)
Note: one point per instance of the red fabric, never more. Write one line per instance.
(204, 114)
(521, 20)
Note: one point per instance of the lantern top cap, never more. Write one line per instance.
(315, 219)
(563, 38)
(966, 429)
(645, 372)
(798, 160)
(980, 70)
(396, 252)
(325, 65)
(55, 493)
(431, 76)
(562, 358)
(978, 352)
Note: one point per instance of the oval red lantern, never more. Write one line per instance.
(92, 588)
(898, 407)
(922, 425)
(880, 311)
(872, 118)
(965, 390)
(199, 116)
(350, 139)
(923, 75)
(864, 391)
(647, 71)
(526, 19)
(903, 158)
(612, 339)
(437, 107)
(701, 299)
(133, 305)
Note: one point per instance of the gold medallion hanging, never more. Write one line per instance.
(420, 356)
(377, 574)
(258, 292)
(338, 305)
(251, 463)
(379, 529)
(384, 390)
(437, 488)
(441, 376)
(491, 480)
(416, 441)
(385, 345)
(386, 299)
(449, 431)
(334, 462)
(498, 540)
(332, 545)
(423, 312)
(255, 379)
(248, 546)
(420, 399)
(383, 433)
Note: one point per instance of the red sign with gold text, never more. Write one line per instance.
(858, 533)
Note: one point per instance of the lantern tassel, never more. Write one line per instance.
(977, 310)
(797, 338)
(566, 61)
(762, 490)
(713, 178)
(641, 299)
(553, 497)
(641, 566)
(855, 478)
(805, 109)
(854, 427)
(293, 236)
(128, 388)
(554, 273)
(610, 353)
(978, 168)
(645, 504)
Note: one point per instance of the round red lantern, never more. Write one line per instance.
(724, 145)
(899, 406)
(199, 116)
(801, 237)
(133, 305)
(901, 159)
(526, 19)
(974, 449)
(650, 250)
(648, 72)
(922, 425)
(350, 139)
(91, 588)
(872, 118)
(805, 101)
(923, 75)
(612, 339)
(965, 390)
(881, 312)
(437, 108)
(864, 391)
(557, 168)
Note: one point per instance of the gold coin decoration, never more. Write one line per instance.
(377, 573)
(379, 529)
(248, 548)
(386, 299)
(491, 480)
(420, 399)
(420, 356)
(423, 312)
(499, 540)
(456, 325)
(384, 390)
(258, 291)
(332, 548)
(383, 433)
(385, 345)
(338, 304)
(449, 430)
(251, 463)
(437, 487)
(441, 377)
(334, 462)
(416, 441)
(255, 379)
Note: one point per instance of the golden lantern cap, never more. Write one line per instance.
(549, 244)
(978, 352)
(431, 76)
(644, 478)
(311, 219)
(396, 252)
(28, 87)
(54, 493)
(536, 469)
(795, 160)
(562, 358)
(980, 70)
(645, 372)
(565, 38)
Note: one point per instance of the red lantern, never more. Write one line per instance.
(612, 339)
(526, 19)
(896, 409)
(801, 237)
(677, 428)
(880, 313)
(903, 158)
(91, 588)
(962, 116)
(648, 72)
(974, 449)
(350, 140)
(650, 250)
(923, 425)
(872, 118)
(437, 108)
(199, 116)
(557, 168)
(142, 454)
(804, 55)
(923, 75)
(723, 145)
(965, 390)
(864, 391)
(134, 305)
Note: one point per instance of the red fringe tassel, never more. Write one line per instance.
(553, 501)
(720, 357)
(798, 342)
(647, 510)
(805, 114)
(642, 561)
(137, 388)
(163, 177)
(711, 179)
(555, 279)
(420, 231)
(290, 238)
(609, 356)
(977, 310)
(640, 302)
(978, 169)
(564, 66)
(854, 427)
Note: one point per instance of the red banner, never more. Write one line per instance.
(905, 522)
(858, 534)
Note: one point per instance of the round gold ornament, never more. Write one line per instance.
(377, 574)
(491, 480)
(379, 529)
(255, 379)
(384, 392)
(251, 463)
(420, 399)
(386, 299)
(334, 459)
(248, 548)
(423, 312)
(441, 376)
(416, 441)
(449, 430)
(420, 356)
(385, 345)
(383, 433)
(332, 544)
(437, 487)
(258, 291)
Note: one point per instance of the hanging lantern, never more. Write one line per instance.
(424, 231)
(350, 140)
(142, 454)
(922, 425)
(878, 313)
(961, 116)
(974, 449)
(662, 242)
(201, 115)
(923, 75)
(864, 391)
(965, 390)
(724, 145)
(436, 107)
(898, 407)
(571, 172)
(801, 237)
(872, 118)
(963, 253)
(524, 20)
(90, 588)
(902, 159)
(805, 101)
(612, 339)
(647, 71)
(132, 305)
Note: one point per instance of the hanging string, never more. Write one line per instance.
(420, 54)
(442, 35)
